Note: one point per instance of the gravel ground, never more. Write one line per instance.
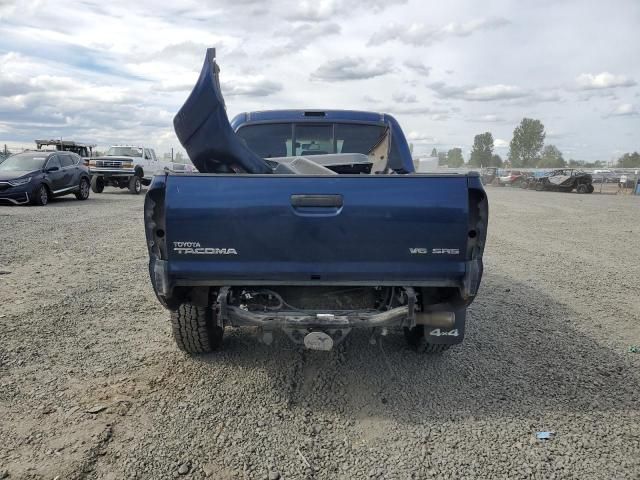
(93, 387)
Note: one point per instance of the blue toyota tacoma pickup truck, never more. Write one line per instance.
(313, 223)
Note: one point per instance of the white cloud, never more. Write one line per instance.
(402, 97)
(420, 34)
(310, 11)
(494, 92)
(490, 118)
(467, 28)
(302, 36)
(351, 68)
(500, 143)
(323, 10)
(479, 94)
(588, 81)
(418, 67)
(418, 137)
(254, 86)
(624, 110)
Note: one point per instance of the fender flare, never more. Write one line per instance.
(46, 183)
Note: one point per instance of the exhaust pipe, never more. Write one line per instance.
(436, 319)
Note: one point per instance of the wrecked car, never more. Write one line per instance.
(488, 175)
(311, 222)
(565, 180)
(513, 178)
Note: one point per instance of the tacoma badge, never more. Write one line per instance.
(194, 248)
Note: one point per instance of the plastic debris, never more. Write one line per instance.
(634, 349)
(545, 435)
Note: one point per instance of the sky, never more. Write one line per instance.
(117, 72)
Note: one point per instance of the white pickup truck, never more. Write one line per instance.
(126, 166)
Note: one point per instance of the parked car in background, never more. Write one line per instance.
(37, 176)
(511, 178)
(488, 175)
(602, 177)
(125, 166)
(183, 168)
(565, 180)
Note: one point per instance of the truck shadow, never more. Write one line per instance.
(521, 356)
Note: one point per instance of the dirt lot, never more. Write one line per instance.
(92, 385)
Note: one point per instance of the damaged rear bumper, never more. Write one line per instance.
(398, 316)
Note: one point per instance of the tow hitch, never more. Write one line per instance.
(318, 341)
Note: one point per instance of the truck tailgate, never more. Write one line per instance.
(292, 229)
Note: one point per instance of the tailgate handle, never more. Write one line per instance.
(330, 201)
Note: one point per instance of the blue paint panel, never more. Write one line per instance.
(368, 239)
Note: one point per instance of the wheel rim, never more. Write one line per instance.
(44, 196)
(138, 185)
(84, 189)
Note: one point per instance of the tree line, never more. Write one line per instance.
(526, 150)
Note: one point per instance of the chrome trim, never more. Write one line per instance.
(17, 202)
(120, 171)
(55, 192)
(111, 163)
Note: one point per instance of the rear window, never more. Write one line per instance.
(287, 139)
(269, 140)
(124, 152)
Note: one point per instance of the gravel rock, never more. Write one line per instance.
(96, 409)
(551, 354)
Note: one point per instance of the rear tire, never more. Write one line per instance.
(539, 187)
(97, 184)
(135, 185)
(416, 340)
(590, 188)
(83, 190)
(195, 330)
(582, 188)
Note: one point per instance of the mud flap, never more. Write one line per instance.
(448, 335)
